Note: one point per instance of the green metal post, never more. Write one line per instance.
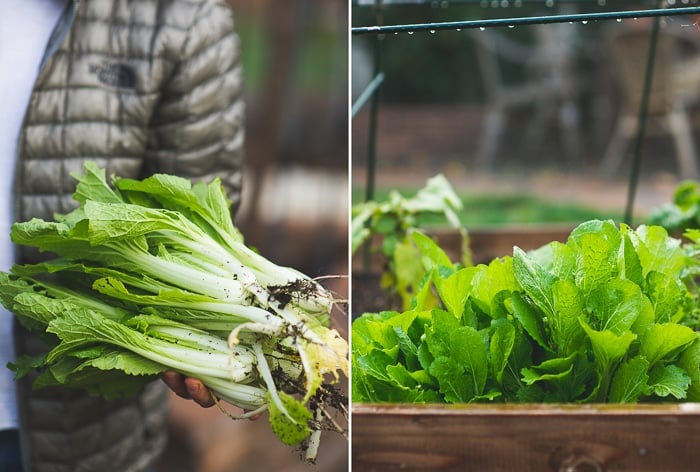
(643, 111)
(373, 112)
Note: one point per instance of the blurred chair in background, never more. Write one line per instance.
(550, 88)
(675, 89)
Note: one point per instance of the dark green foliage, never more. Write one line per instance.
(609, 316)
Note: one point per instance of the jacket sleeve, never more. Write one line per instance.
(198, 125)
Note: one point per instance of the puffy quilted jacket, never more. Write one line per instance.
(139, 86)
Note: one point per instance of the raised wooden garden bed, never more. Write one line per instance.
(538, 438)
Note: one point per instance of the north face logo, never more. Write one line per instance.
(115, 74)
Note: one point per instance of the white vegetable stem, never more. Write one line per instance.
(266, 375)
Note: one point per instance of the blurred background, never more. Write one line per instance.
(294, 206)
(530, 123)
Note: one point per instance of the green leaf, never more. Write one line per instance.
(108, 372)
(425, 357)
(438, 196)
(405, 343)
(39, 307)
(359, 231)
(671, 217)
(608, 346)
(379, 329)
(439, 334)
(200, 202)
(552, 369)
(469, 350)
(556, 258)
(433, 255)
(290, 431)
(376, 379)
(364, 387)
(665, 380)
(658, 252)
(454, 384)
(645, 317)
(423, 378)
(615, 306)
(116, 222)
(690, 362)
(520, 357)
(566, 332)
(665, 339)
(596, 260)
(492, 280)
(500, 348)
(58, 238)
(401, 376)
(459, 354)
(454, 290)
(630, 381)
(667, 296)
(531, 320)
(23, 365)
(687, 195)
(92, 185)
(71, 372)
(120, 359)
(535, 281)
(408, 268)
(375, 363)
(603, 228)
(629, 263)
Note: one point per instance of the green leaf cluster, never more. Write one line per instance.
(683, 212)
(608, 316)
(152, 275)
(394, 220)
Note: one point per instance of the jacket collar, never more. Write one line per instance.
(63, 25)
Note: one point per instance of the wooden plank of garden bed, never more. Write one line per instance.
(654, 438)
(486, 243)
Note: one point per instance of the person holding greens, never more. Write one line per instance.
(139, 87)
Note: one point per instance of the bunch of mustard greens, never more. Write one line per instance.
(152, 275)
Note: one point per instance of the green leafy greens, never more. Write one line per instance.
(683, 212)
(152, 275)
(609, 316)
(393, 220)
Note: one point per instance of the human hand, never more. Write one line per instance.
(189, 388)
(192, 389)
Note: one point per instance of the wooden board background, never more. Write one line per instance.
(566, 438)
(485, 243)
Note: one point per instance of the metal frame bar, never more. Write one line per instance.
(641, 126)
(529, 20)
